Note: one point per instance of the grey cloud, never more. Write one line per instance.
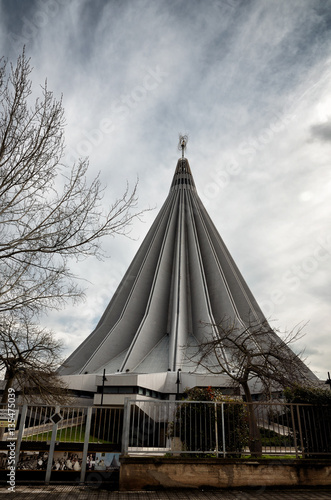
(321, 132)
(241, 79)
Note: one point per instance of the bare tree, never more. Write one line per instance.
(30, 355)
(250, 354)
(49, 213)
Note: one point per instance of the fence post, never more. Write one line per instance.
(126, 426)
(300, 432)
(223, 430)
(294, 433)
(86, 441)
(20, 434)
(51, 449)
(216, 429)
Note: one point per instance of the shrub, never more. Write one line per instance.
(201, 420)
(314, 416)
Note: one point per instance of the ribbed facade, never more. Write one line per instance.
(180, 285)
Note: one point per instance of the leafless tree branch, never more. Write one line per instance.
(30, 355)
(49, 213)
(253, 352)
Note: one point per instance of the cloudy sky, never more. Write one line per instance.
(250, 82)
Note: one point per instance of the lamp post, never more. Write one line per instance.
(178, 382)
(328, 380)
(103, 384)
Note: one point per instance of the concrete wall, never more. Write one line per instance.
(153, 473)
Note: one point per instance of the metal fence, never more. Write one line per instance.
(36, 424)
(221, 429)
(50, 439)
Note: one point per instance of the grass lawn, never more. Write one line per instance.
(70, 434)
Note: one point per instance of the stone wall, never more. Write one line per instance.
(153, 473)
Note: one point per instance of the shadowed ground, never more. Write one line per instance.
(65, 492)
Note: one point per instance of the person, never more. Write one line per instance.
(90, 462)
(57, 465)
(40, 462)
(76, 466)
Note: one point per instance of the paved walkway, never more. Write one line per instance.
(65, 492)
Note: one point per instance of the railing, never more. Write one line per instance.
(222, 429)
(56, 439)
(86, 439)
(105, 424)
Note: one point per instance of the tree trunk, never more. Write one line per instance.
(255, 443)
(9, 383)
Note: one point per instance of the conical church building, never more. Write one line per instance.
(180, 285)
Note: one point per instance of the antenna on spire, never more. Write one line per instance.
(182, 143)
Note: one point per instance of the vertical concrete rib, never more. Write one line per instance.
(152, 326)
(179, 320)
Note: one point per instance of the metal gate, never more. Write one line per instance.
(74, 444)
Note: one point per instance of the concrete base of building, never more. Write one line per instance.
(145, 473)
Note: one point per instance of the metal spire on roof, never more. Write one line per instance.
(182, 143)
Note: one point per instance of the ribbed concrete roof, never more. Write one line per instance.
(182, 278)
